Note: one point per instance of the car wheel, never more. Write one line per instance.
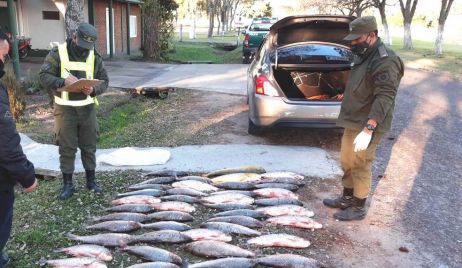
(253, 129)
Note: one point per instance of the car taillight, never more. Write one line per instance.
(264, 87)
(246, 40)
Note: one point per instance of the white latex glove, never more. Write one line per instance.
(362, 141)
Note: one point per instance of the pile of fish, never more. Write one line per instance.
(161, 210)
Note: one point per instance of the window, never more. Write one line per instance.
(50, 15)
(132, 26)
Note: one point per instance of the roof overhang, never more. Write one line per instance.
(138, 2)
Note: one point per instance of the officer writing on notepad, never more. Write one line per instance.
(74, 112)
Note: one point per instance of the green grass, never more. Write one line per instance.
(423, 56)
(204, 52)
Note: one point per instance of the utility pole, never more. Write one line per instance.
(14, 38)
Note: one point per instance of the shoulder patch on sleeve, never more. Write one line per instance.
(383, 51)
(382, 77)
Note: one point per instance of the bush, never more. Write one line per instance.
(31, 83)
(15, 92)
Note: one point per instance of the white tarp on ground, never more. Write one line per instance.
(129, 156)
(304, 160)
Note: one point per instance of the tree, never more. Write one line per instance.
(73, 16)
(353, 7)
(408, 13)
(380, 5)
(158, 27)
(444, 12)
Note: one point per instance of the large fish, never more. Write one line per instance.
(237, 177)
(295, 221)
(84, 262)
(279, 240)
(196, 178)
(284, 210)
(244, 192)
(287, 186)
(156, 264)
(174, 206)
(235, 185)
(108, 239)
(158, 180)
(217, 249)
(185, 191)
(171, 216)
(195, 185)
(180, 198)
(167, 225)
(277, 201)
(241, 212)
(228, 198)
(207, 234)
(122, 216)
(149, 186)
(166, 173)
(154, 254)
(289, 180)
(243, 169)
(230, 228)
(288, 261)
(136, 199)
(163, 236)
(225, 263)
(241, 220)
(228, 206)
(84, 250)
(135, 208)
(150, 192)
(116, 226)
(275, 193)
(292, 175)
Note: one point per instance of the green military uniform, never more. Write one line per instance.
(75, 114)
(370, 94)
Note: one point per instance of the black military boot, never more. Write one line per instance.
(341, 202)
(91, 184)
(68, 189)
(357, 211)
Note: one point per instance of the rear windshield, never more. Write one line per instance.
(317, 31)
(260, 27)
(311, 53)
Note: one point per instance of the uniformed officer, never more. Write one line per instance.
(366, 114)
(75, 114)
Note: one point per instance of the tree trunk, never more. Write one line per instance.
(439, 40)
(73, 16)
(219, 23)
(407, 36)
(387, 37)
(211, 24)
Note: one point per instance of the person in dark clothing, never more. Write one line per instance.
(14, 166)
(75, 112)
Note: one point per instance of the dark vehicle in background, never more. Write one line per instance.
(254, 35)
(299, 73)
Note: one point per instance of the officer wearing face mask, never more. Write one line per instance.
(75, 112)
(366, 114)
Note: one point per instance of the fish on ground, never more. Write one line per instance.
(295, 221)
(150, 192)
(279, 240)
(156, 264)
(149, 186)
(217, 249)
(207, 234)
(122, 216)
(136, 199)
(158, 180)
(107, 239)
(288, 180)
(243, 169)
(167, 225)
(171, 216)
(225, 263)
(180, 198)
(154, 254)
(282, 174)
(235, 185)
(196, 178)
(284, 210)
(244, 192)
(134, 208)
(277, 202)
(87, 250)
(228, 206)
(237, 177)
(287, 186)
(241, 212)
(275, 193)
(195, 185)
(228, 198)
(163, 236)
(166, 173)
(185, 191)
(76, 262)
(241, 220)
(230, 228)
(116, 226)
(174, 206)
(288, 261)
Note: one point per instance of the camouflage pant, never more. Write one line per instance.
(357, 167)
(76, 127)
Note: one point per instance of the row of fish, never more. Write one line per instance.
(169, 201)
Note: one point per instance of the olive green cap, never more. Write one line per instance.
(360, 26)
(86, 35)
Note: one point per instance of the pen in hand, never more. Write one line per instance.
(71, 79)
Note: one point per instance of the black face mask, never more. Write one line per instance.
(2, 66)
(79, 51)
(361, 48)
